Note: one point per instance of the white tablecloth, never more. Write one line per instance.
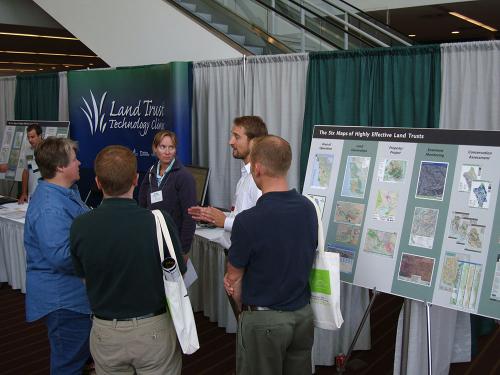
(12, 255)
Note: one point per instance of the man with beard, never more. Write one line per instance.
(244, 129)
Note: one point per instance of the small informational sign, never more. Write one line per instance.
(15, 144)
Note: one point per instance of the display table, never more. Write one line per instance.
(12, 255)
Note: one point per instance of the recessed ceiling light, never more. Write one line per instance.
(37, 63)
(38, 36)
(473, 21)
(47, 54)
(455, 32)
(412, 35)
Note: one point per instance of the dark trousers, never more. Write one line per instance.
(275, 342)
(69, 333)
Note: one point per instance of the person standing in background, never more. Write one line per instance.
(169, 186)
(53, 291)
(31, 173)
(244, 129)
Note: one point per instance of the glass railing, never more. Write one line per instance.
(321, 23)
(357, 22)
(257, 27)
(285, 26)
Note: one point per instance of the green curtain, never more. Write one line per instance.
(397, 87)
(37, 97)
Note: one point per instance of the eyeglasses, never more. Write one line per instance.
(164, 148)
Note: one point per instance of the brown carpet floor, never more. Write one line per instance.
(24, 348)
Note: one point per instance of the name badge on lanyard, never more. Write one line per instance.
(156, 197)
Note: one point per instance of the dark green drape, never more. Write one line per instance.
(37, 97)
(397, 87)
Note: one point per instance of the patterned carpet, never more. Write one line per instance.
(24, 348)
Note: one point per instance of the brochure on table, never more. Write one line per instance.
(412, 212)
(15, 144)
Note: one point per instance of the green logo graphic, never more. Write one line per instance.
(320, 281)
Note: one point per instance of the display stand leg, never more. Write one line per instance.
(406, 336)
(341, 360)
(429, 349)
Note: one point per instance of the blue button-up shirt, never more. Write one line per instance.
(51, 283)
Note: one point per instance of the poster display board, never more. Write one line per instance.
(15, 144)
(412, 212)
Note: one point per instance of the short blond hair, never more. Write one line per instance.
(274, 153)
(116, 169)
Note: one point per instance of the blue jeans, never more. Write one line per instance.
(69, 333)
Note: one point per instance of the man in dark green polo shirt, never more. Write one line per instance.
(114, 250)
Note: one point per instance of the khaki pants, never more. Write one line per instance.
(275, 342)
(143, 347)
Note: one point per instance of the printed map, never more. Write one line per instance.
(416, 269)
(475, 237)
(450, 270)
(386, 205)
(380, 242)
(423, 227)
(355, 177)
(321, 170)
(465, 289)
(431, 180)
(480, 194)
(468, 174)
(394, 170)
(348, 234)
(349, 213)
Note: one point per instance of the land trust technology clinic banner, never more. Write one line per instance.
(127, 106)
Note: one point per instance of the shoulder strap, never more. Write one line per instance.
(321, 237)
(163, 233)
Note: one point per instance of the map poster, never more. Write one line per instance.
(356, 176)
(468, 173)
(416, 269)
(456, 223)
(322, 169)
(423, 228)
(386, 204)
(432, 180)
(349, 213)
(480, 194)
(392, 170)
(465, 223)
(380, 242)
(348, 234)
(475, 238)
(412, 212)
(466, 285)
(450, 270)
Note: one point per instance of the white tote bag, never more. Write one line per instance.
(178, 301)
(325, 284)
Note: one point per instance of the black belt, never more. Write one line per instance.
(255, 308)
(150, 315)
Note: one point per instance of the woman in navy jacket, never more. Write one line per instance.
(169, 186)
